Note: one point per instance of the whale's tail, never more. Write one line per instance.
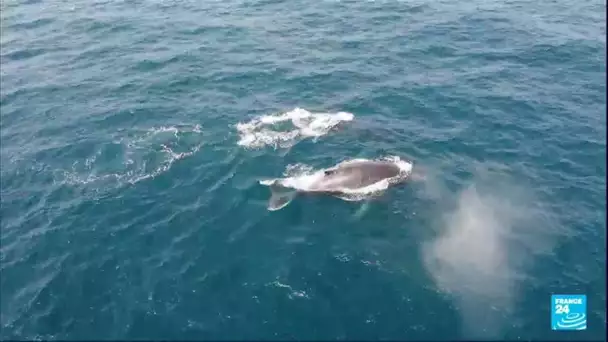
(280, 196)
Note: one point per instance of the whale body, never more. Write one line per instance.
(350, 180)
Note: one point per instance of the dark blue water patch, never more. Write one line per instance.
(23, 54)
(130, 117)
(540, 54)
(151, 65)
(31, 94)
(31, 25)
(370, 310)
(109, 50)
(108, 28)
(68, 152)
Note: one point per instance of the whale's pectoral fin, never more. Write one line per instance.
(280, 197)
(362, 210)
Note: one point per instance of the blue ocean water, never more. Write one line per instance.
(130, 199)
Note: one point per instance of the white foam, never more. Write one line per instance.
(292, 293)
(307, 177)
(263, 131)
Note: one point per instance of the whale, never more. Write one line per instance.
(350, 180)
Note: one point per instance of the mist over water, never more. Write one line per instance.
(485, 240)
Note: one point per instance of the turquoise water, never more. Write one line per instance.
(131, 205)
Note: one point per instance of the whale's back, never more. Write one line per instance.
(351, 180)
(355, 175)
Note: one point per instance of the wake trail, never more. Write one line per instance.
(283, 130)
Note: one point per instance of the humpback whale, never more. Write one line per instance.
(350, 180)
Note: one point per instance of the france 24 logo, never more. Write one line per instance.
(568, 312)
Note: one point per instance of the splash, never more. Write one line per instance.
(292, 293)
(480, 254)
(270, 130)
(134, 157)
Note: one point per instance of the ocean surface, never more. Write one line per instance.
(135, 134)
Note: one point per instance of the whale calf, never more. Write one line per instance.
(350, 180)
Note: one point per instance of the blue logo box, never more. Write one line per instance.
(568, 312)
